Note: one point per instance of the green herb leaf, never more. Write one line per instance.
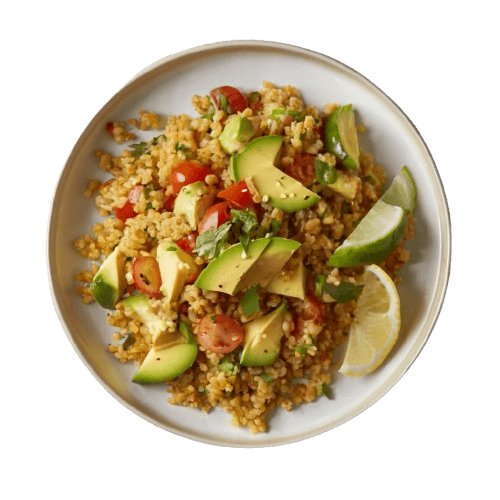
(267, 377)
(171, 248)
(275, 226)
(325, 390)
(245, 241)
(244, 221)
(251, 301)
(344, 292)
(302, 349)
(129, 342)
(227, 366)
(326, 174)
(319, 283)
(277, 112)
(254, 97)
(247, 218)
(223, 103)
(210, 243)
(156, 139)
(208, 116)
(139, 149)
(180, 147)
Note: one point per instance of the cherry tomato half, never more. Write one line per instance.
(302, 168)
(230, 99)
(186, 173)
(147, 277)
(214, 217)
(219, 333)
(238, 195)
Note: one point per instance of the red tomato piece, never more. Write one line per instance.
(168, 204)
(214, 217)
(238, 195)
(314, 309)
(219, 333)
(147, 277)
(192, 278)
(188, 242)
(302, 168)
(186, 173)
(125, 212)
(236, 100)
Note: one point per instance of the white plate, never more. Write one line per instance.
(166, 87)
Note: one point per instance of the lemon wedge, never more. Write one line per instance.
(376, 324)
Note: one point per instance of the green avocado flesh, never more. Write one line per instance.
(235, 270)
(235, 134)
(109, 283)
(140, 305)
(263, 338)
(276, 188)
(161, 365)
(224, 273)
(290, 282)
(342, 137)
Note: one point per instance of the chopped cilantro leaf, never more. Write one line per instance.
(326, 174)
(139, 149)
(247, 219)
(210, 243)
(319, 283)
(344, 292)
(251, 301)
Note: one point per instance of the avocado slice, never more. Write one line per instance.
(192, 202)
(263, 338)
(140, 305)
(161, 365)
(109, 283)
(290, 282)
(342, 137)
(235, 270)
(236, 134)
(277, 188)
(269, 263)
(176, 266)
(162, 337)
(345, 184)
(224, 273)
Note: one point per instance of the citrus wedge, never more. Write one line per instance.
(402, 191)
(374, 238)
(376, 324)
(382, 228)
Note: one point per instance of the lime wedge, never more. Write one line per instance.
(402, 191)
(374, 238)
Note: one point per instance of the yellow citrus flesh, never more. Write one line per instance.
(376, 325)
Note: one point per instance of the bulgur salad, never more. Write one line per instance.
(233, 247)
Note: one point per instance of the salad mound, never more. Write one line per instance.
(231, 251)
